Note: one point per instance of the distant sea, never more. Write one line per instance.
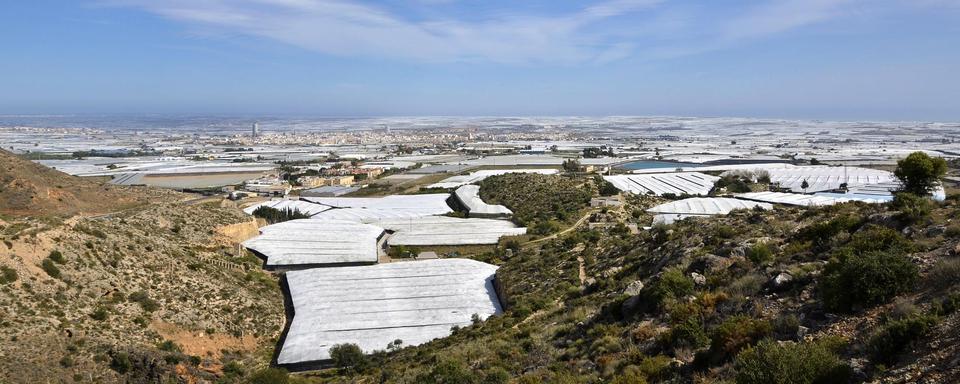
(651, 164)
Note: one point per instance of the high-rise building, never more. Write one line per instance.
(256, 129)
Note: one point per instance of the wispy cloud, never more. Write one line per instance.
(352, 28)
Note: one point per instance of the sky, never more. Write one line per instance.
(805, 59)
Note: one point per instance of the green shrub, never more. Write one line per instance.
(736, 333)
(689, 333)
(874, 238)
(866, 280)
(655, 367)
(143, 298)
(944, 274)
(733, 184)
(946, 305)
(57, 257)
(821, 232)
(120, 362)
(760, 254)
(673, 283)
(270, 376)
(723, 231)
(496, 375)
(99, 314)
(786, 326)
(791, 363)
(630, 375)
(7, 275)
(233, 369)
(895, 336)
(952, 231)
(169, 346)
(912, 208)
(50, 268)
(348, 357)
(447, 372)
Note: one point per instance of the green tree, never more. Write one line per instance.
(348, 356)
(919, 173)
(571, 165)
(273, 215)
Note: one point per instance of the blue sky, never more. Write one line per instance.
(818, 59)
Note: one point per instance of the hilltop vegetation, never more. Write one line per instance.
(540, 202)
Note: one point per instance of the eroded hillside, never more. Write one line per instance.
(30, 189)
(153, 293)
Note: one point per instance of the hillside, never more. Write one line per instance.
(30, 189)
(849, 293)
(152, 293)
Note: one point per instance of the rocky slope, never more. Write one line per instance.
(30, 189)
(153, 293)
(753, 297)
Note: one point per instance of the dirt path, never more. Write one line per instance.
(563, 232)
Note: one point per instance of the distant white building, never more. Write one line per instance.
(268, 186)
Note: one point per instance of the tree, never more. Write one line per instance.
(804, 185)
(605, 187)
(348, 356)
(273, 215)
(571, 165)
(919, 173)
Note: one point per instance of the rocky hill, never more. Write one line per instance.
(153, 293)
(30, 189)
(845, 294)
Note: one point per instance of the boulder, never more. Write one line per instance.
(698, 279)
(634, 288)
(781, 281)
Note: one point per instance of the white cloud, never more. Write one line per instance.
(350, 28)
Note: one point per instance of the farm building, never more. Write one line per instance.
(468, 196)
(700, 207)
(371, 306)
(308, 242)
(443, 230)
(677, 183)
